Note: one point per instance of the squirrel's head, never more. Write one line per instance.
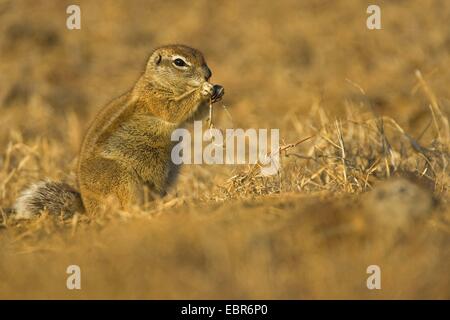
(178, 67)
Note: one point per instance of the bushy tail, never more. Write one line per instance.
(57, 198)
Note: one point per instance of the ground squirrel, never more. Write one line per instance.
(128, 145)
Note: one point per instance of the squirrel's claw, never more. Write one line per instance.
(218, 92)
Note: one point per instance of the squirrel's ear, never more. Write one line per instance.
(156, 59)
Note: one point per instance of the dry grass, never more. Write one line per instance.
(365, 151)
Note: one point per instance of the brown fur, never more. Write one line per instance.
(128, 144)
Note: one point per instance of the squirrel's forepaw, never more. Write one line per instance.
(214, 92)
(207, 89)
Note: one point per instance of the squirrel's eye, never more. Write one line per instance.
(179, 62)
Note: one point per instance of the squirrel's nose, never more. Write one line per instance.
(208, 73)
